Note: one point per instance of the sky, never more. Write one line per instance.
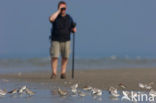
(104, 27)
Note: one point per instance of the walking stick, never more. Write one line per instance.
(73, 52)
(73, 56)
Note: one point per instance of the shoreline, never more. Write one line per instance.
(98, 78)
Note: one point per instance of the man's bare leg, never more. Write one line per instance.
(63, 67)
(54, 63)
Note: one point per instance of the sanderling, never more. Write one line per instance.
(74, 88)
(22, 89)
(29, 92)
(87, 88)
(141, 85)
(3, 92)
(61, 92)
(121, 85)
(152, 93)
(13, 91)
(96, 91)
(146, 86)
(113, 91)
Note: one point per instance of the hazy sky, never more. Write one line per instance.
(105, 27)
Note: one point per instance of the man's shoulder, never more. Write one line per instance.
(69, 17)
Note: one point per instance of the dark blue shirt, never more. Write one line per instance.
(61, 29)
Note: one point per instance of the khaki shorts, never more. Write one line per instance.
(60, 47)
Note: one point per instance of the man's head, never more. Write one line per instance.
(62, 5)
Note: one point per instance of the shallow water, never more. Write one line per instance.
(14, 65)
(49, 95)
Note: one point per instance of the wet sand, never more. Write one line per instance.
(102, 79)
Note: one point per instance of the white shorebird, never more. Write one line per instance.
(24, 89)
(121, 85)
(146, 86)
(21, 90)
(141, 85)
(74, 88)
(29, 92)
(96, 91)
(87, 88)
(13, 91)
(3, 92)
(61, 92)
(152, 93)
(113, 91)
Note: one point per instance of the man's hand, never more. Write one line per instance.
(74, 30)
(61, 6)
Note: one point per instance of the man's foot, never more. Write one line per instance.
(53, 76)
(63, 76)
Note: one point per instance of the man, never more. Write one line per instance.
(63, 25)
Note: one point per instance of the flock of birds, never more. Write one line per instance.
(74, 91)
(146, 87)
(18, 91)
(87, 89)
(114, 93)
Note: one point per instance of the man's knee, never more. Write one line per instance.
(54, 58)
(64, 58)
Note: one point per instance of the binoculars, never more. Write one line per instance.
(63, 9)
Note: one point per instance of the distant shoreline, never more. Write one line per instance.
(97, 78)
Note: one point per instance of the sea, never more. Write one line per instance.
(28, 64)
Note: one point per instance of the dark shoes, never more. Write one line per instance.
(53, 76)
(62, 76)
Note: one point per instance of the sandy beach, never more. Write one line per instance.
(102, 79)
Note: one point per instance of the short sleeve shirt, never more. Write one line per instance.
(61, 29)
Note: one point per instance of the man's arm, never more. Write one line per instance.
(73, 26)
(54, 16)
